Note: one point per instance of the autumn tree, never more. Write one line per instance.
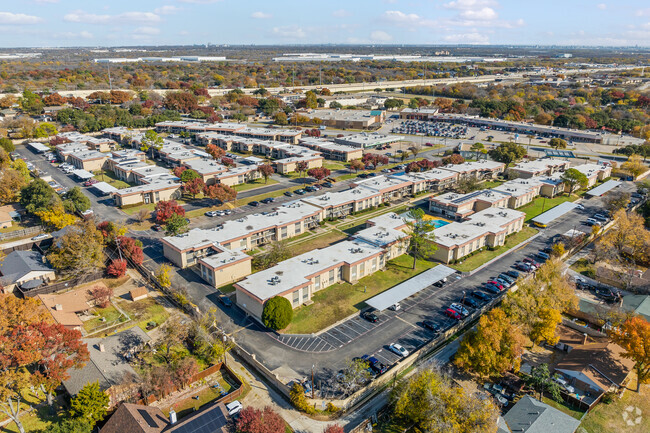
(557, 143)
(266, 170)
(354, 376)
(120, 96)
(166, 208)
(78, 251)
(220, 192)
(420, 232)
(301, 167)
(185, 102)
(215, 151)
(356, 165)
(634, 337)
(573, 179)
(163, 277)
(616, 200)
(173, 333)
(493, 348)
(185, 370)
(194, 186)
(280, 118)
(429, 401)
(11, 182)
(131, 248)
(117, 268)
(507, 153)
(634, 165)
(454, 158)
(90, 403)
(151, 141)
(35, 353)
(252, 420)
(319, 173)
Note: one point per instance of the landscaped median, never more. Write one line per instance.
(341, 300)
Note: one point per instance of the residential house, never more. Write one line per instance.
(25, 269)
(530, 415)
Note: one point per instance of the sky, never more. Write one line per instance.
(44, 23)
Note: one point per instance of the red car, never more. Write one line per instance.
(496, 283)
(453, 314)
(90, 182)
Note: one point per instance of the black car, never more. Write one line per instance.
(469, 302)
(492, 289)
(431, 325)
(156, 227)
(225, 301)
(376, 366)
(370, 317)
(254, 203)
(310, 188)
(288, 194)
(362, 176)
(299, 191)
(512, 273)
(439, 283)
(481, 295)
(327, 184)
(267, 200)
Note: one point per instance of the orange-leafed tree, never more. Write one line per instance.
(215, 151)
(634, 337)
(166, 208)
(266, 170)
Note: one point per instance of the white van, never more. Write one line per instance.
(234, 408)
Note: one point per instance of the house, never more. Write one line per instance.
(136, 418)
(593, 365)
(26, 269)
(138, 293)
(109, 361)
(64, 307)
(530, 415)
(9, 214)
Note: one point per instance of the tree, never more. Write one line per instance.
(557, 143)
(162, 276)
(78, 251)
(415, 149)
(354, 375)
(356, 165)
(616, 200)
(185, 102)
(21, 167)
(35, 353)
(56, 216)
(634, 337)
(544, 328)
(185, 371)
(70, 425)
(574, 178)
(220, 192)
(507, 153)
(493, 348)
(558, 250)
(428, 401)
(634, 165)
(298, 399)
(37, 196)
(477, 147)
(166, 208)
(392, 104)
(253, 420)
(90, 403)
(215, 151)
(117, 268)
(142, 215)
(194, 186)
(266, 170)
(31, 103)
(280, 118)
(176, 224)
(541, 380)
(188, 175)
(275, 253)
(131, 248)
(319, 173)
(467, 185)
(11, 182)
(420, 242)
(7, 144)
(301, 167)
(172, 333)
(76, 201)
(454, 158)
(151, 141)
(277, 313)
(310, 100)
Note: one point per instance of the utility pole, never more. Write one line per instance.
(312, 381)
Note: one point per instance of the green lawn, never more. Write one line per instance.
(109, 177)
(107, 316)
(334, 165)
(145, 311)
(340, 300)
(478, 259)
(576, 413)
(320, 240)
(37, 421)
(230, 288)
(606, 418)
(491, 184)
(542, 204)
(198, 399)
(257, 183)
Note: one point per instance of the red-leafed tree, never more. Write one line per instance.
(166, 208)
(54, 99)
(162, 381)
(178, 171)
(319, 173)
(228, 162)
(253, 420)
(193, 187)
(333, 428)
(120, 96)
(185, 102)
(202, 91)
(248, 101)
(413, 167)
(220, 192)
(356, 165)
(132, 249)
(185, 370)
(102, 294)
(266, 170)
(215, 151)
(34, 353)
(117, 268)
(454, 158)
(56, 140)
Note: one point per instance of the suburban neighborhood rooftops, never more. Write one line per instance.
(136, 418)
(482, 165)
(383, 183)
(532, 416)
(591, 170)
(224, 258)
(326, 145)
(205, 166)
(334, 199)
(18, 264)
(157, 185)
(425, 176)
(540, 165)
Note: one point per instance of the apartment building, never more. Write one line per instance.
(540, 167)
(89, 160)
(483, 169)
(289, 164)
(367, 140)
(435, 180)
(207, 168)
(457, 206)
(224, 266)
(486, 228)
(161, 189)
(390, 188)
(594, 172)
(338, 204)
(333, 151)
(343, 119)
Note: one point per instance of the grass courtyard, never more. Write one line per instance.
(109, 177)
(340, 300)
(257, 183)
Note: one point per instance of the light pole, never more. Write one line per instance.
(312, 381)
(225, 359)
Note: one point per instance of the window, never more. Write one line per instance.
(353, 275)
(283, 232)
(331, 276)
(362, 269)
(296, 297)
(305, 294)
(317, 283)
(242, 243)
(297, 228)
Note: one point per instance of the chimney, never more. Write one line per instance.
(172, 417)
(584, 338)
(101, 347)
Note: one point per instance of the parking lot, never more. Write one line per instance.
(430, 129)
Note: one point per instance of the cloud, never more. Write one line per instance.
(11, 18)
(80, 16)
(643, 12)
(601, 6)
(467, 38)
(469, 4)
(400, 18)
(72, 35)
(289, 32)
(166, 10)
(261, 15)
(341, 13)
(380, 36)
(483, 14)
(146, 30)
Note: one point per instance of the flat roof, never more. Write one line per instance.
(157, 185)
(538, 165)
(604, 188)
(556, 212)
(334, 199)
(491, 220)
(83, 174)
(467, 167)
(409, 287)
(39, 147)
(425, 176)
(205, 166)
(104, 188)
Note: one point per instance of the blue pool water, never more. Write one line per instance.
(437, 223)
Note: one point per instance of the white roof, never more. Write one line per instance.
(409, 287)
(205, 166)
(334, 199)
(83, 174)
(157, 185)
(426, 176)
(39, 147)
(383, 183)
(555, 212)
(604, 188)
(539, 165)
(591, 170)
(468, 167)
(488, 221)
(104, 188)
(224, 257)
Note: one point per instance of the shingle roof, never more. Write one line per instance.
(532, 416)
(17, 264)
(136, 418)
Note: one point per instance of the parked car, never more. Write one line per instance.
(482, 296)
(460, 309)
(503, 282)
(491, 288)
(431, 325)
(227, 211)
(497, 284)
(508, 278)
(399, 350)
(453, 314)
(267, 200)
(254, 203)
(564, 384)
(531, 262)
(211, 213)
(592, 222)
(469, 302)
(512, 273)
(310, 188)
(370, 316)
(225, 301)
(543, 255)
(377, 366)
(580, 207)
(234, 408)
(299, 192)
(600, 217)
(156, 227)
(327, 184)
(40, 237)
(288, 194)
(395, 307)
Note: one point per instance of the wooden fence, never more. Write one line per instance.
(61, 285)
(20, 233)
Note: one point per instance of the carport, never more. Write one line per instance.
(551, 215)
(83, 174)
(604, 188)
(409, 287)
(104, 189)
(38, 147)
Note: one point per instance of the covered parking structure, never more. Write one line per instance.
(551, 215)
(83, 174)
(410, 287)
(603, 189)
(104, 189)
(38, 147)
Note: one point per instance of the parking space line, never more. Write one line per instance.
(341, 331)
(331, 335)
(380, 356)
(314, 341)
(408, 323)
(302, 343)
(350, 328)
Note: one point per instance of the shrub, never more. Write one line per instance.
(102, 295)
(298, 399)
(117, 268)
(277, 313)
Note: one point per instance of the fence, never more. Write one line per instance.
(20, 233)
(272, 379)
(62, 285)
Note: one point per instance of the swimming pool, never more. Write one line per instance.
(437, 222)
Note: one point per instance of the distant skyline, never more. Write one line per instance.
(54, 23)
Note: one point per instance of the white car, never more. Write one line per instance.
(579, 206)
(564, 384)
(234, 408)
(399, 350)
(459, 309)
(41, 236)
(395, 307)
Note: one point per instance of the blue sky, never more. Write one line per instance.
(147, 22)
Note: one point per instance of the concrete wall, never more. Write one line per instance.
(251, 305)
(176, 257)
